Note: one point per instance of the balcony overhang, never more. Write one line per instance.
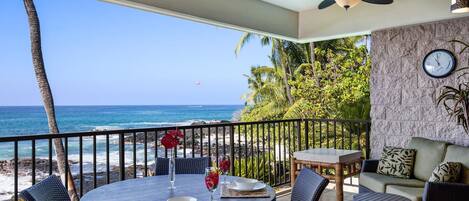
(299, 20)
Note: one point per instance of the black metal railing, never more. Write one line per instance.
(258, 150)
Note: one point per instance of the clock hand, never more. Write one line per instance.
(436, 59)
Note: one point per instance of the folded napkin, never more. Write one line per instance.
(229, 193)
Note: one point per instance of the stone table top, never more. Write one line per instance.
(156, 189)
(328, 155)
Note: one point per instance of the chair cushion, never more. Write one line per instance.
(430, 153)
(446, 172)
(378, 182)
(411, 193)
(456, 153)
(396, 162)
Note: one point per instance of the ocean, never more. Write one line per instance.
(28, 120)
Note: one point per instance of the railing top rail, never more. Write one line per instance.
(156, 129)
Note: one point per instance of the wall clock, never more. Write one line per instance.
(439, 63)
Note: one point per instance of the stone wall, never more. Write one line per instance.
(402, 95)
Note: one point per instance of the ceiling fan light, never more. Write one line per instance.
(459, 6)
(347, 3)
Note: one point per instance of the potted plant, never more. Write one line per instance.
(456, 99)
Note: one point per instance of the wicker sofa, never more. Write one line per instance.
(429, 154)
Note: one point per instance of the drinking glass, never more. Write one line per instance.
(211, 180)
(224, 164)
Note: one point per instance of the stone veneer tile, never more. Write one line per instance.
(403, 113)
(416, 96)
(425, 46)
(409, 65)
(425, 81)
(412, 33)
(403, 49)
(386, 97)
(377, 82)
(433, 113)
(449, 130)
(388, 66)
(400, 81)
(452, 27)
(388, 127)
(378, 112)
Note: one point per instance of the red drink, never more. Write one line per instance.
(224, 164)
(211, 180)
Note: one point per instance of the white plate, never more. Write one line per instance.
(258, 186)
(185, 198)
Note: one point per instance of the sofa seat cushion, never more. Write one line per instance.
(411, 193)
(456, 153)
(378, 182)
(430, 153)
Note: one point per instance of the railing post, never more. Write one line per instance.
(232, 150)
(368, 148)
(298, 133)
(306, 134)
(121, 156)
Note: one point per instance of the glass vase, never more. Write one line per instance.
(171, 169)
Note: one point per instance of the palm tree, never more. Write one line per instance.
(284, 54)
(46, 93)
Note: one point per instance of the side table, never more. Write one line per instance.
(345, 163)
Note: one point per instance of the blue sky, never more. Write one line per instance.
(98, 53)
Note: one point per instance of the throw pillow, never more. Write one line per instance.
(446, 172)
(397, 162)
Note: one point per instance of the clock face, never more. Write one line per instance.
(439, 63)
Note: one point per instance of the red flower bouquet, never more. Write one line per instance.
(171, 139)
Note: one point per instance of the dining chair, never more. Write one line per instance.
(49, 189)
(183, 165)
(309, 186)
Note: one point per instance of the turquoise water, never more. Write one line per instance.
(28, 120)
(32, 119)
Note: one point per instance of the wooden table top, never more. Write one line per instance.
(156, 189)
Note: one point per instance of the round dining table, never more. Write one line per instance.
(156, 189)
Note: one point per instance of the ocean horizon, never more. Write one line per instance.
(30, 120)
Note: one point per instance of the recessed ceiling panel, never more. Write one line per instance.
(295, 5)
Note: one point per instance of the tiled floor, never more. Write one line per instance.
(329, 194)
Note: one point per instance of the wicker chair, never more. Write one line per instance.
(49, 189)
(183, 165)
(309, 186)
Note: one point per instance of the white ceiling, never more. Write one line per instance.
(299, 20)
(295, 5)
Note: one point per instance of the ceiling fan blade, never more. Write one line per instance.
(379, 1)
(326, 3)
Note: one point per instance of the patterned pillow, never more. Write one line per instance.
(397, 162)
(446, 172)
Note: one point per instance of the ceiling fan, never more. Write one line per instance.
(351, 3)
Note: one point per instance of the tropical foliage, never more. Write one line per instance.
(330, 81)
(456, 99)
